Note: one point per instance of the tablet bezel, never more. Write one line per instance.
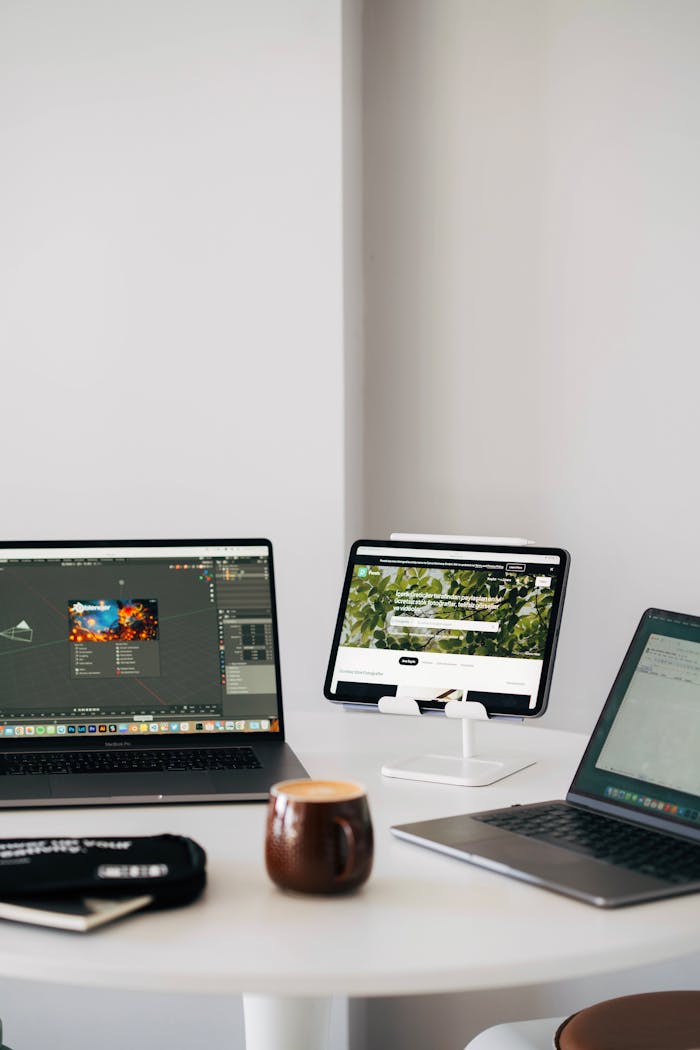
(437, 706)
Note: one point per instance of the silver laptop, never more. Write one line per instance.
(139, 671)
(629, 829)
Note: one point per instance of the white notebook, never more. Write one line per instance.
(71, 913)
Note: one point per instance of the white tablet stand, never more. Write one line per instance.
(470, 769)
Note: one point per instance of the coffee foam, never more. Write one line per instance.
(319, 790)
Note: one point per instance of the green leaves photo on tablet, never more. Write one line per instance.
(400, 608)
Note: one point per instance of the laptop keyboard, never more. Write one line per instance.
(604, 838)
(168, 760)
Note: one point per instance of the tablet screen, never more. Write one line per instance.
(438, 622)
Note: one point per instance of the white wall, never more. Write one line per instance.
(172, 326)
(533, 249)
(353, 265)
(171, 285)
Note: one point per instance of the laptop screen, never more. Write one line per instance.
(438, 622)
(643, 753)
(137, 637)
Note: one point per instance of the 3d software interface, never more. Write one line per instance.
(142, 640)
(439, 624)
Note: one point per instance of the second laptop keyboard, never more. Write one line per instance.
(165, 760)
(604, 838)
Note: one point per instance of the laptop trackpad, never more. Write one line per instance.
(130, 785)
(522, 853)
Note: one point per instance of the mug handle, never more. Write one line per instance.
(350, 841)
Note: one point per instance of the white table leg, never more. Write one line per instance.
(275, 1023)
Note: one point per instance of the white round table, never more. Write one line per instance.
(423, 923)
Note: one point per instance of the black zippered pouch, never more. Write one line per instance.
(172, 868)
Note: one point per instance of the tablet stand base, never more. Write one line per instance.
(469, 769)
(452, 769)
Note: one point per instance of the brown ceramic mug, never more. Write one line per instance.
(319, 836)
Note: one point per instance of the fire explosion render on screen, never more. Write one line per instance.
(113, 620)
(114, 637)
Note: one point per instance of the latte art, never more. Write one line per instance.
(318, 790)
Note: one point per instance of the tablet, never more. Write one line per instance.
(448, 621)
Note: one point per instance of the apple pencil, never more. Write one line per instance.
(502, 541)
